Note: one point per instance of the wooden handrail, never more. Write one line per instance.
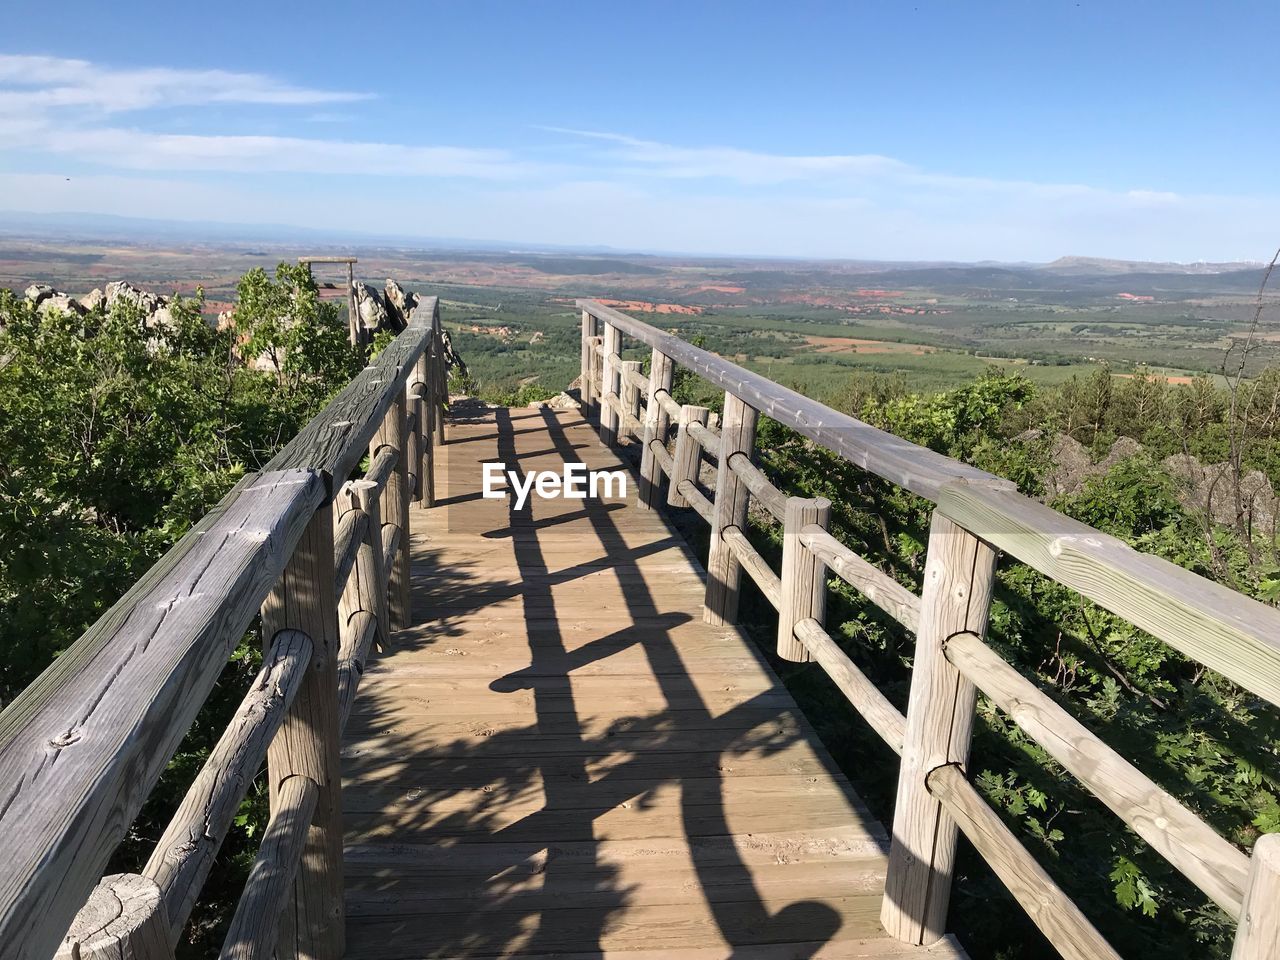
(976, 514)
(82, 747)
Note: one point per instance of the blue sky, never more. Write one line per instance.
(913, 130)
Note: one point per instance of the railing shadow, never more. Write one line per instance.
(502, 836)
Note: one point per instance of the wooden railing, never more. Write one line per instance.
(976, 517)
(324, 560)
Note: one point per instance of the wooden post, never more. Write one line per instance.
(958, 576)
(688, 456)
(661, 371)
(609, 385)
(586, 386)
(724, 573)
(1258, 936)
(307, 744)
(426, 466)
(352, 307)
(413, 444)
(441, 375)
(395, 508)
(366, 588)
(804, 581)
(630, 393)
(123, 920)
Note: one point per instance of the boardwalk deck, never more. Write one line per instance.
(561, 759)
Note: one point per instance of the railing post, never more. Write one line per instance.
(439, 377)
(587, 384)
(630, 393)
(1258, 936)
(609, 384)
(959, 574)
(661, 373)
(124, 919)
(395, 507)
(803, 577)
(366, 588)
(724, 573)
(422, 387)
(688, 456)
(307, 743)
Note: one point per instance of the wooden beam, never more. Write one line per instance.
(959, 574)
(395, 508)
(1051, 910)
(186, 851)
(123, 920)
(918, 469)
(81, 748)
(1177, 834)
(1214, 625)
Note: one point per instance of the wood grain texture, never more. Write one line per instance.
(863, 695)
(81, 748)
(186, 850)
(563, 759)
(657, 420)
(916, 468)
(724, 572)
(123, 920)
(307, 742)
(874, 584)
(1052, 911)
(256, 925)
(753, 478)
(1258, 936)
(707, 438)
(1177, 834)
(804, 584)
(959, 574)
(1234, 634)
(610, 387)
(393, 434)
(687, 456)
(749, 559)
(586, 379)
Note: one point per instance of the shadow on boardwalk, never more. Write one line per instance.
(523, 832)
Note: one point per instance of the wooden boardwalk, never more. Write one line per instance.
(563, 760)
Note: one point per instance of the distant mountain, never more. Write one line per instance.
(1100, 266)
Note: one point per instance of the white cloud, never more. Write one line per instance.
(35, 84)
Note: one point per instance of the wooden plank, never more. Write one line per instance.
(82, 747)
(1214, 625)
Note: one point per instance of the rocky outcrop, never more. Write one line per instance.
(1204, 487)
(399, 304)
(561, 401)
(371, 310)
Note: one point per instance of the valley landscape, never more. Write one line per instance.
(807, 324)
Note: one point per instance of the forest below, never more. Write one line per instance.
(114, 439)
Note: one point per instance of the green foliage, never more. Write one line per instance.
(115, 437)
